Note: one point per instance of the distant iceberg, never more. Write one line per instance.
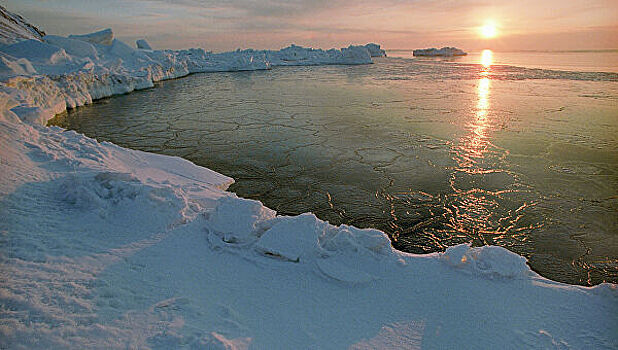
(443, 52)
(375, 50)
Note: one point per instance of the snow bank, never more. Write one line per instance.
(493, 262)
(106, 247)
(445, 51)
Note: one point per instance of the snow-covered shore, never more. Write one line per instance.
(106, 247)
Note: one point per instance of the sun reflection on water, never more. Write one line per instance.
(487, 58)
(476, 205)
(478, 143)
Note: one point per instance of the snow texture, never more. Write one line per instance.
(445, 51)
(103, 247)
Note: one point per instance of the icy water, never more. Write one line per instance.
(578, 60)
(433, 153)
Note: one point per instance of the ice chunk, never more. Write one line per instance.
(355, 54)
(291, 237)
(489, 261)
(121, 49)
(103, 37)
(142, 44)
(375, 50)
(237, 220)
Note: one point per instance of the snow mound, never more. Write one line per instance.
(237, 220)
(14, 28)
(305, 238)
(292, 237)
(142, 44)
(488, 261)
(445, 51)
(103, 37)
(102, 189)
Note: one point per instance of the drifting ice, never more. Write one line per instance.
(445, 51)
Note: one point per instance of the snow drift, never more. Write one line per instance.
(106, 247)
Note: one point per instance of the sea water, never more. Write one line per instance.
(433, 152)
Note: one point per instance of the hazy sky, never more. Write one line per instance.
(223, 25)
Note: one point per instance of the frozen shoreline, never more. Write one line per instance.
(106, 247)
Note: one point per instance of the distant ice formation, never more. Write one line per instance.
(142, 44)
(375, 50)
(445, 51)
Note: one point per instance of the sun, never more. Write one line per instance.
(489, 30)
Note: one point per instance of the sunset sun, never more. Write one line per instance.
(489, 30)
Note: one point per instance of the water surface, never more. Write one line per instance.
(574, 60)
(431, 152)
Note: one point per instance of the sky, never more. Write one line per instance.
(220, 25)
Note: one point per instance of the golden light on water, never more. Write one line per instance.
(487, 58)
(478, 143)
(489, 30)
(473, 146)
(483, 97)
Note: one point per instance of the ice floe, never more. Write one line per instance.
(445, 51)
